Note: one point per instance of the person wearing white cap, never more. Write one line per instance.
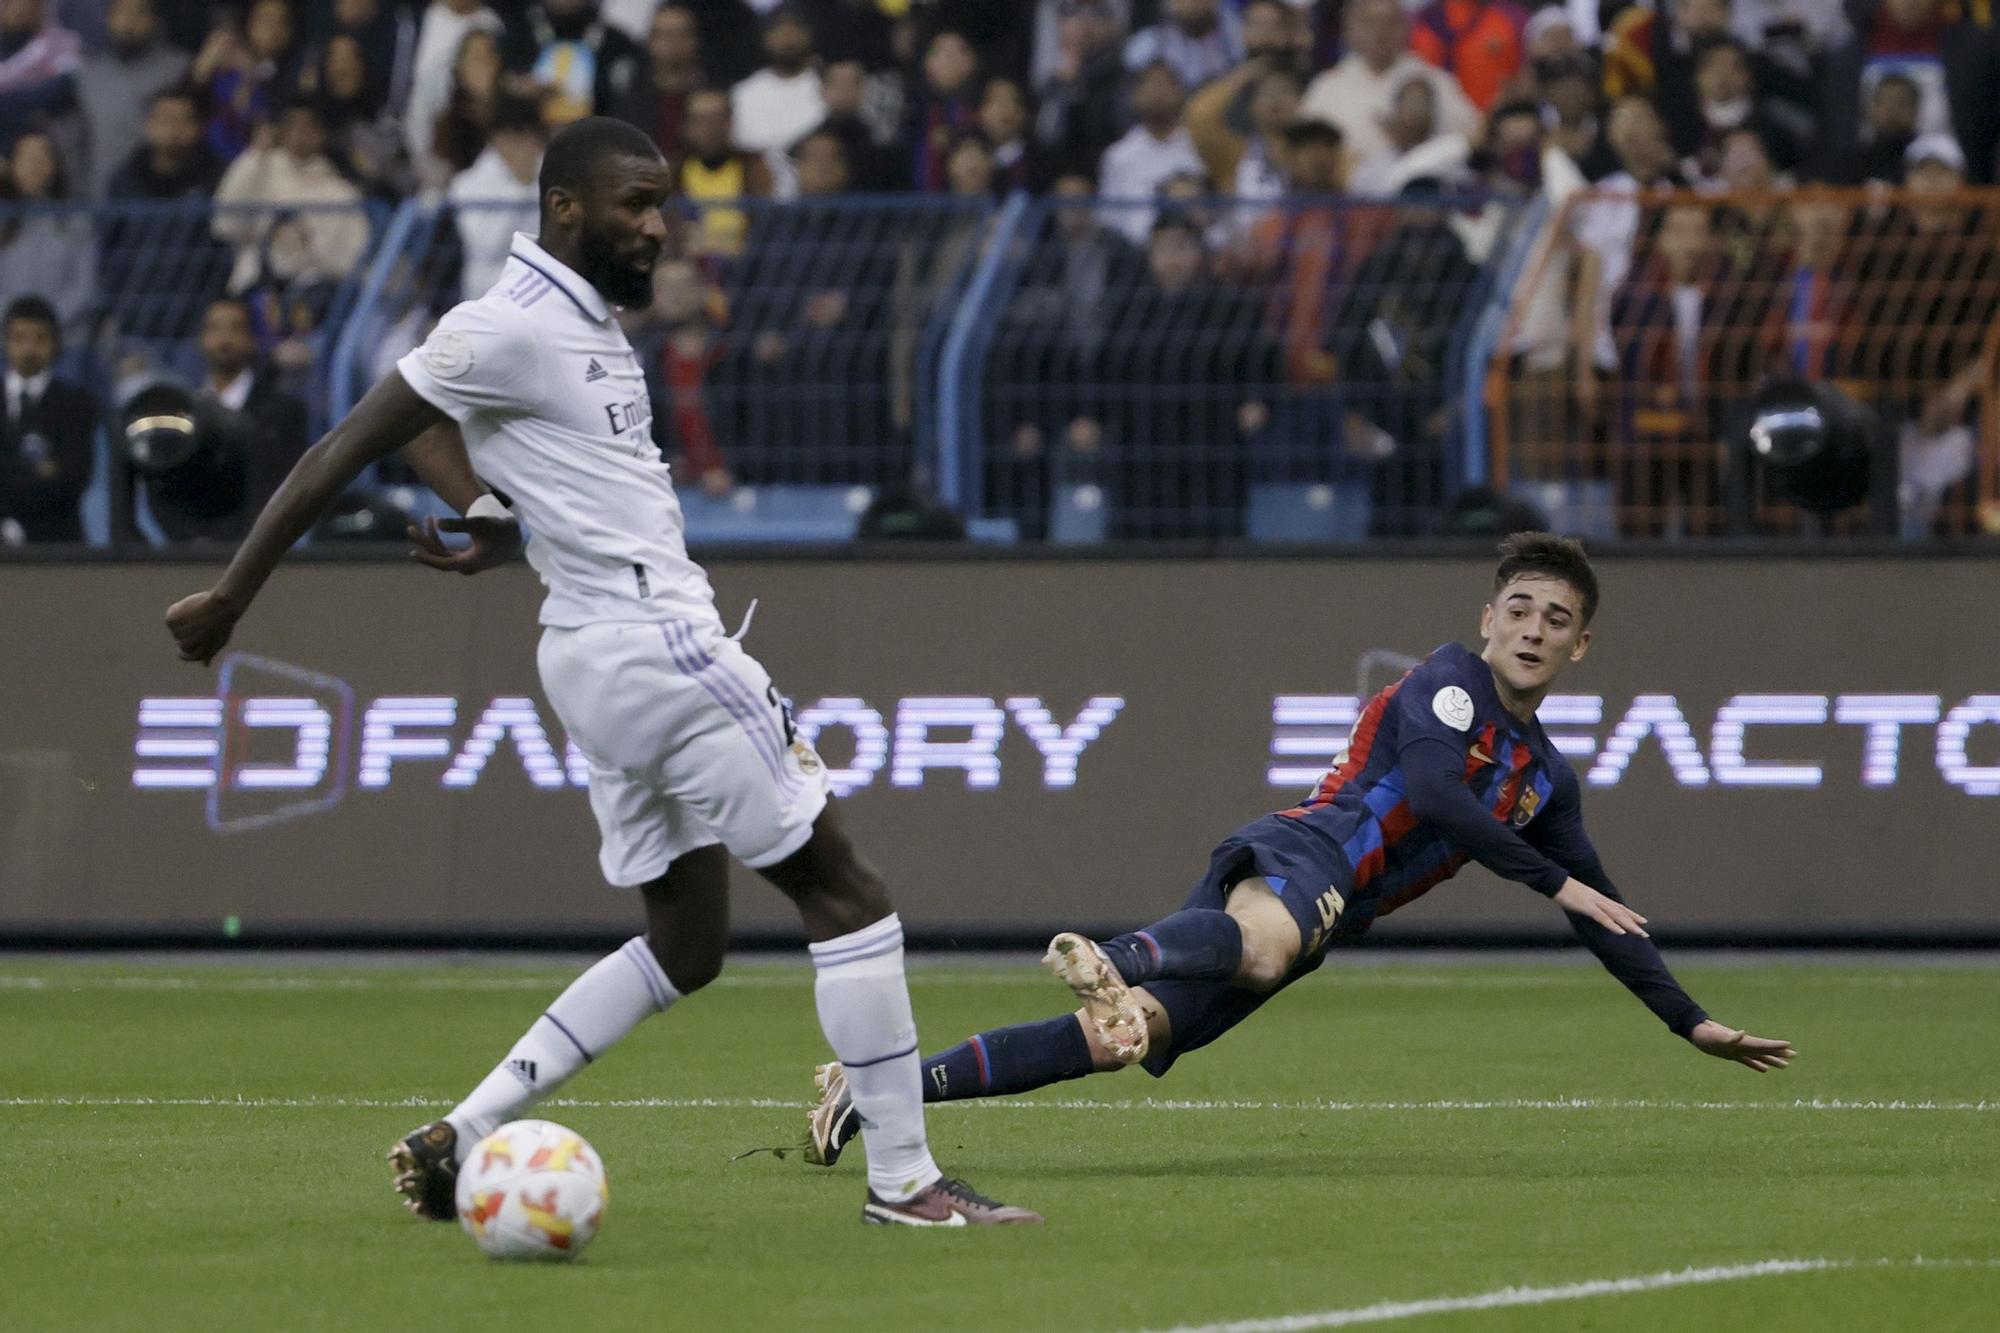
(1354, 95)
(1550, 35)
(1934, 157)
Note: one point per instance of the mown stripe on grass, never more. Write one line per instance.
(1383, 1312)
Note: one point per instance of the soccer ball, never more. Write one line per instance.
(532, 1190)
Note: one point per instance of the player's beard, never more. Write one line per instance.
(612, 274)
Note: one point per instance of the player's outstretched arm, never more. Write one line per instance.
(1629, 955)
(389, 417)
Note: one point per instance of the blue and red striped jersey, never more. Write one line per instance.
(1362, 804)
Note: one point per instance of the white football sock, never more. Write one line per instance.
(599, 1007)
(864, 1009)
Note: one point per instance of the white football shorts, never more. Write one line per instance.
(689, 745)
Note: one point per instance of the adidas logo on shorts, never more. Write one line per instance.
(594, 372)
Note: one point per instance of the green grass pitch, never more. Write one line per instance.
(200, 1148)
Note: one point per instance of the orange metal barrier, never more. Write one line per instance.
(1646, 323)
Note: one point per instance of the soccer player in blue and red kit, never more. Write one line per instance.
(1446, 766)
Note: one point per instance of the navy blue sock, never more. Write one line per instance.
(1197, 944)
(1015, 1059)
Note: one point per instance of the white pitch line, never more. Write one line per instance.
(1818, 1104)
(800, 980)
(1384, 1312)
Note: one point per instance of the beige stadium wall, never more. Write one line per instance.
(1771, 747)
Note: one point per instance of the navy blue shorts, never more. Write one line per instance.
(1311, 879)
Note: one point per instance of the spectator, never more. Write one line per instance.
(657, 103)
(807, 309)
(245, 71)
(387, 39)
(1199, 39)
(928, 266)
(434, 78)
(48, 447)
(1649, 50)
(781, 101)
(1185, 380)
(1608, 231)
(283, 171)
(497, 196)
(943, 109)
(1353, 96)
(1751, 234)
(361, 138)
(49, 252)
(1221, 117)
(1951, 60)
(39, 61)
(1259, 173)
(1412, 122)
(1671, 326)
(1931, 297)
(1550, 35)
(173, 162)
(871, 167)
(1894, 112)
(712, 176)
(679, 338)
(1477, 42)
(1392, 339)
(1726, 98)
(260, 432)
(154, 270)
(1082, 94)
(1299, 254)
(476, 93)
(1003, 119)
(579, 61)
(1076, 280)
(117, 85)
(1571, 94)
(1155, 149)
(732, 39)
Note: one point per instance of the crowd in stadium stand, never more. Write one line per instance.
(296, 116)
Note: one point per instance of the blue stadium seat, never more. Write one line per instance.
(1079, 517)
(1585, 509)
(775, 514)
(1308, 512)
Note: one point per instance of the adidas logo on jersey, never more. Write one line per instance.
(594, 373)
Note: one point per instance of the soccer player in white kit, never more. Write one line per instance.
(530, 401)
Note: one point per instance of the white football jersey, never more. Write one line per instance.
(556, 418)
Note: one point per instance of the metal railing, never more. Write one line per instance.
(1630, 423)
(1086, 371)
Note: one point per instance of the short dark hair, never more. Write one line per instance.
(1545, 555)
(578, 147)
(1313, 134)
(234, 303)
(516, 115)
(36, 309)
(179, 92)
(1720, 41)
(1518, 106)
(1897, 77)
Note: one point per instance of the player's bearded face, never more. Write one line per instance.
(619, 264)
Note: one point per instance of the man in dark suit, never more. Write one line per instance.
(47, 441)
(251, 432)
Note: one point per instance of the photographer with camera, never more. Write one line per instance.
(208, 460)
(47, 435)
